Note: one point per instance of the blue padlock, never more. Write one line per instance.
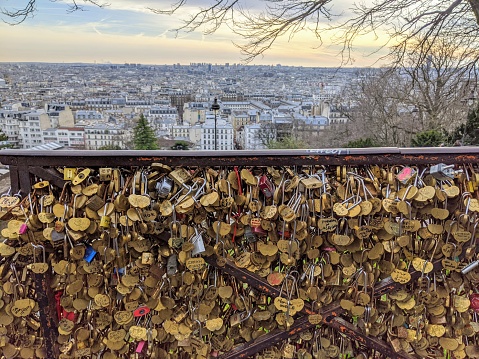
(89, 254)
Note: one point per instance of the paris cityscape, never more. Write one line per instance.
(95, 106)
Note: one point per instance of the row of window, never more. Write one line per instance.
(212, 131)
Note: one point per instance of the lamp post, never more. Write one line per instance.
(215, 107)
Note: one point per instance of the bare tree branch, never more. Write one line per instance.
(258, 29)
(29, 9)
(401, 20)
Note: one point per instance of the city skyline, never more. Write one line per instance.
(126, 32)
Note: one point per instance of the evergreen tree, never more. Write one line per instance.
(467, 134)
(143, 136)
(430, 138)
(3, 136)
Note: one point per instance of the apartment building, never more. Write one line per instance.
(69, 137)
(102, 135)
(224, 135)
(30, 128)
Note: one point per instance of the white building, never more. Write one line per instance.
(224, 134)
(236, 105)
(88, 115)
(104, 135)
(10, 125)
(165, 112)
(70, 137)
(30, 129)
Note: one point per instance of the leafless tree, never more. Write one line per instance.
(440, 83)
(20, 12)
(391, 105)
(380, 109)
(259, 28)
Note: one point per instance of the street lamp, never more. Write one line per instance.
(215, 107)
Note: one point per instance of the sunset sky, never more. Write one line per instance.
(126, 31)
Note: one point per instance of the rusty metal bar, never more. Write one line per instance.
(340, 156)
(330, 316)
(370, 342)
(25, 180)
(14, 180)
(47, 312)
(330, 313)
(265, 341)
(48, 174)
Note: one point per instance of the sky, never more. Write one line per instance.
(127, 32)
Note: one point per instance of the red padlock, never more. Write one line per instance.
(266, 186)
(141, 311)
(474, 298)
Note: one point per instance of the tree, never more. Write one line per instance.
(285, 143)
(143, 136)
(438, 85)
(467, 133)
(3, 136)
(430, 138)
(361, 143)
(260, 27)
(391, 105)
(379, 109)
(181, 145)
(28, 9)
(110, 147)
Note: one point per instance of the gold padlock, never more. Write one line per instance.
(105, 220)
(105, 174)
(69, 173)
(79, 178)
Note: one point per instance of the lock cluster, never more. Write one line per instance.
(271, 262)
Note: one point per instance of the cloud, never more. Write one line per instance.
(124, 32)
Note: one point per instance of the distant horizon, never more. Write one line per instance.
(184, 64)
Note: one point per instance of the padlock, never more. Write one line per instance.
(105, 174)
(105, 220)
(442, 172)
(141, 311)
(470, 267)
(23, 228)
(406, 174)
(163, 187)
(140, 347)
(79, 178)
(249, 235)
(266, 186)
(89, 254)
(69, 173)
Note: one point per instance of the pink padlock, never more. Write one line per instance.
(23, 228)
(259, 231)
(140, 346)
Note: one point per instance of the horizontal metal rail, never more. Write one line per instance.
(339, 156)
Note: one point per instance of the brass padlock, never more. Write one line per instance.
(79, 178)
(69, 173)
(105, 220)
(105, 174)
